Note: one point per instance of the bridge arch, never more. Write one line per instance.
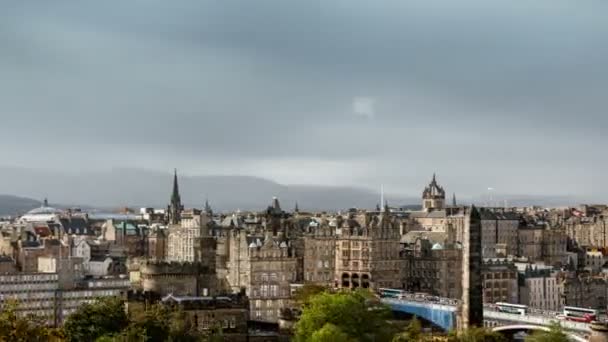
(530, 327)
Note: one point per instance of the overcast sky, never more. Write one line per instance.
(509, 94)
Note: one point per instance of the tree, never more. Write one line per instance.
(412, 333)
(356, 314)
(330, 333)
(104, 317)
(475, 334)
(14, 328)
(151, 325)
(307, 292)
(555, 334)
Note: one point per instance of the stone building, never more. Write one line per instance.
(530, 239)
(162, 278)
(554, 247)
(540, 289)
(125, 238)
(320, 254)
(433, 196)
(258, 255)
(471, 311)
(499, 233)
(367, 251)
(587, 231)
(433, 267)
(228, 314)
(156, 243)
(273, 268)
(182, 237)
(500, 281)
(584, 290)
(7, 265)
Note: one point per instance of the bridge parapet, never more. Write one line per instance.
(441, 315)
(535, 320)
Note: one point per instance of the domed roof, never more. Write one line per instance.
(44, 211)
(42, 214)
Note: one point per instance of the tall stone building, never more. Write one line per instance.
(499, 233)
(367, 250)
(472, 286)
(320, 254)
(273, 268)
(541, 289)
(433, 196)
(500, 281)
(433, 267)
(184, 236)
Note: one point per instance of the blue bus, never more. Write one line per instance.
(391, 293)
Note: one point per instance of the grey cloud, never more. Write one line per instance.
(505, 87)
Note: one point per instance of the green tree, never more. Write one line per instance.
(14, 328)
(104, 317)
(357, 314)
(555, 334)
(151, 325)
(412, 333)
(330, 333)
(308, 291)
(475, 334)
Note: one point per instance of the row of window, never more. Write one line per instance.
(28, 278)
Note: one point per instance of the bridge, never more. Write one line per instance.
(443, 312)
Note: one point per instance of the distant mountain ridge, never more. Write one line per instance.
(136, 188)
(13, 205)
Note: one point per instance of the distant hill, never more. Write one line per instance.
(12, 205)
(138, 188)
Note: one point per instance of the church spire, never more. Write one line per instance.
(454, 199)
(175, 208)
(296, 209)
(208, 209)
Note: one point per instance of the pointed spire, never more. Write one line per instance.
(381, 195)
(208, 209)
(175, 208)
(275, 204)
(296, 209)
(175, 195)
(454, 200)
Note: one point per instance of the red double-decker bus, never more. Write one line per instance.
(575, 314)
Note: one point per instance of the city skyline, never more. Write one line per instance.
(486, 95)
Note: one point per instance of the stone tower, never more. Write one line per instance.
(471, 314)
(433, 196)
(175, 208)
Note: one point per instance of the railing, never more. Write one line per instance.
(532, 316)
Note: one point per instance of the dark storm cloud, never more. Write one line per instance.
(508, 87)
